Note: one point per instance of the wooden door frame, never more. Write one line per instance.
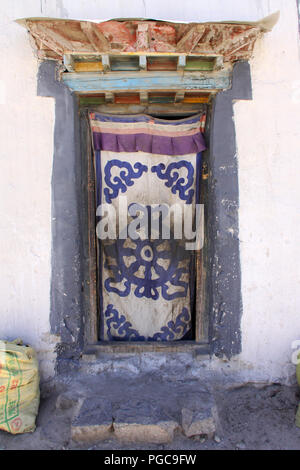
(92, 297)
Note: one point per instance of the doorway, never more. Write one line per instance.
(148, 281)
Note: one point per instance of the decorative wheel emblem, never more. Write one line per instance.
(149, 265)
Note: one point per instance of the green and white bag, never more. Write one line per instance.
(19, 387)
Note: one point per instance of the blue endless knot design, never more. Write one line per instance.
(175, 182)
(126, 177)
(152, 266)
(124, 331)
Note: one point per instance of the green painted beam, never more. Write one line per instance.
(161, 99)
(139, 81)
(199, 63)
(91, 100)
(124, 63)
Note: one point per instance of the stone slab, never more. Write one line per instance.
(143, 421)
(93, 423)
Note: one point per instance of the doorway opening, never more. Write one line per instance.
(186, 327)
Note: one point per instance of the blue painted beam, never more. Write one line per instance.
(118, 81)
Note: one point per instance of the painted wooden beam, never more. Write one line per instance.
(127, 98)
(156, 109)
(162, 63)
(124, 63)
(196, 98)
(93, 63)
(160, 97)
(91, 100)
(88, 66)
(168, 81)
(200, 63)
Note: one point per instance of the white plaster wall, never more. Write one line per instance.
(268, 140)
(26, 147)
(269, 164)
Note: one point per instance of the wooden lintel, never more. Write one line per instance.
(131, 81)
(88, 66)
(155, 109)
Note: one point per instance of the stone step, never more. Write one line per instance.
(149, 412)
(143, 421)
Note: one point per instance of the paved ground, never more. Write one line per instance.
(250, 417)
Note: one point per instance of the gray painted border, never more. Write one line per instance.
(67, 314)
(224, 282)
(222, 262)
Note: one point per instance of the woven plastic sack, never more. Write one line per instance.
(298, 412)
(19, 387)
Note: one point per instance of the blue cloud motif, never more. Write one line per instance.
(118, 322)
(120, 183)
(174, 181)
(119, 329)
(180, 327)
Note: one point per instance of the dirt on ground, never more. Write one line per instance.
(251, 418)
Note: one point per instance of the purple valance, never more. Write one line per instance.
(147, 134)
